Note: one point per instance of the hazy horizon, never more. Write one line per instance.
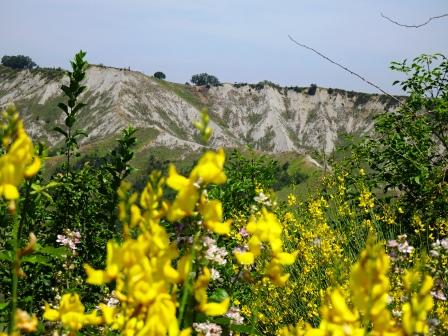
(233, 40)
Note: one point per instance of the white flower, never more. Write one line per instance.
(392, 243)
(263, 199)
(439, 295)
(405, 248)
(215, 275)
(213, 252)
(207, 329)
(234, 314)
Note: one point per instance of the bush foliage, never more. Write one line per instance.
(205, 79)
(18, 62)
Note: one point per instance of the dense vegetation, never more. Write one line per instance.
(18, 62)
(211, 251)
(205, 79)
(159, 75)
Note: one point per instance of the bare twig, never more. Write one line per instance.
(344, 68)
(414, 26)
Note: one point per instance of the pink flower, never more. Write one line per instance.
(70, 239)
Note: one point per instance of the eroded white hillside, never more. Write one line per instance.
(268, 118)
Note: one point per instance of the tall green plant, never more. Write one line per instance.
(73, 106)
(121, 155)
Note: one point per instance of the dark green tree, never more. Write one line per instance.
(159, 75)
(205, 79)
(18, 62)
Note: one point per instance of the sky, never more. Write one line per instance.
(235, 40)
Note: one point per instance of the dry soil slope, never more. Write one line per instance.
(266, 117)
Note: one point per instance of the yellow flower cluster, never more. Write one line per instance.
(71, 313)
(202, 126)
(200, 294)
(147, 269)
(18, 160)
(267, 229)
(370, 315)
(415, 311)
(370, 286)
(366, 200)
(209, 170)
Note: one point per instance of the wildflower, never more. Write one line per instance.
(439, 295)
(266, 229)
(71, 313)
(210, 169)
(366, 200)
(202, 126)
(207, 329)
(19, 161)
(316, 208)
(216, 276)
(187, 196)
(70, 239)
(416, 310)
(263, 199)
(25, 322)
(243, 232)
(200, 294)
(405, 248)
(211, 212)
(292, 200)
(234, 314)
(392, 243)
(370, 285)
(213, 252)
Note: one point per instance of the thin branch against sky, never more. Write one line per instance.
(343, 67)
(417, 25)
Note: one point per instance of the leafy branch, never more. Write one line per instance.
(72, 108)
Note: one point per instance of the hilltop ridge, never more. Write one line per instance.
(264, 116)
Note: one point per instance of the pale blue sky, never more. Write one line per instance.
(235, 40)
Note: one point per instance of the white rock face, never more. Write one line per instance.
(268, 118)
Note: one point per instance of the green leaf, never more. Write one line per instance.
(219, 295)
(224, 321)
(6, 256)
(57, 252)
(78, 107)
(37, 259)
(80, 132)
(244, 329)
(3, 305)
(67, 91)
(48, 196)
(63, 107)
(60, 130)
(70, 121)
(417, 179)
(71, 102)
